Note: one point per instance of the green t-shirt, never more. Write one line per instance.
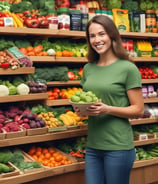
(110, 83)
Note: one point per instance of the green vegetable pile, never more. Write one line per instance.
(18, 161)
(130, 5)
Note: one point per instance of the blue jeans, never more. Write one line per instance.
(108, 167)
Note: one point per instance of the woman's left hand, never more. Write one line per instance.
(97, 109)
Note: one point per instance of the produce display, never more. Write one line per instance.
(75, 147)
(70, 118)
(63, 93)
(17, 158)
(49, 156)
(147, 73)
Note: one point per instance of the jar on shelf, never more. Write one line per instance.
(63, 18)
(84, 17)
(75, 20)
(150, 19)
(52, 19)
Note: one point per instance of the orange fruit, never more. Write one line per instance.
(44, 151)
(38, 153)
(32, 150)
(51, 150)
(39, 149)
(47, 155)
(58, 53)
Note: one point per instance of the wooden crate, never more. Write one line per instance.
(15, 171)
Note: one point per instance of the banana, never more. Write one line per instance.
(17, 20)
(64, 119)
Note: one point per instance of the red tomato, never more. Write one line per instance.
(57, 90)
(55, 95)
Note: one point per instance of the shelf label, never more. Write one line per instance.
(143, 137)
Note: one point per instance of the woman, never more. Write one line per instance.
(116, 81)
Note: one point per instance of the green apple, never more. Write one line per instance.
(88, 99)
(75, 98)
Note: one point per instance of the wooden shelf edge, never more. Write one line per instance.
(144, 163)
(67, 33)
(22, 70)
(144, 121)
(63, 83)
(151, 100)
(17, 98)
(146, 142)
(31, 176)
(51, 59)
(44, 137)
(145, 59)
(57, 102)
(146, 81)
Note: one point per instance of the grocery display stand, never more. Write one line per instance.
(143, 172)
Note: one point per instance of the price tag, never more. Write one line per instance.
(8, 22)
(143, 137)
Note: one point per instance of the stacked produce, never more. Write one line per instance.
(71, 118)
(7, 61)
(57, 93)
(5, 157)
(147, 73)
(15, 118)
(49, 156)
(75, 147)
(37, 87)
(50, 120)
(17, 86)
(30, 120)
(17, 158)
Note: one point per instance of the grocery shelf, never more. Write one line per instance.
(18, 71)
(146, 81)
(42, 32)
(44, 137)
(35, 175)
(144, 163)
(151, 100)
(146, 142)
(64, 33)
(17, 98)
(77, 82)
(138, 35)
(52, 59)
(145, 59)
(57, 102)
(61, 170)
(143, 121)
(64, 83)
(42, 59)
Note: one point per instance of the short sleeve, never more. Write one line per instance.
(133, 77)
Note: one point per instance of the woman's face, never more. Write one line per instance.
(99, 39)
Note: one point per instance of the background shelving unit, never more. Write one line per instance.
(141, 169)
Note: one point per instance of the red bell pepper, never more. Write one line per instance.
(71, 75)
(32, 22)
(4, 65)
(44, 23)
(27, 13)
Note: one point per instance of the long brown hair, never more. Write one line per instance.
(113, 33)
